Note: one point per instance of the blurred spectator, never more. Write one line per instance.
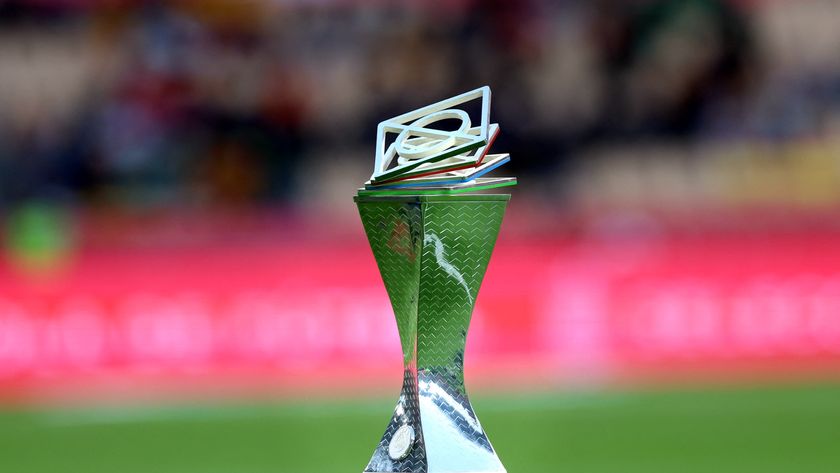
(173, 102)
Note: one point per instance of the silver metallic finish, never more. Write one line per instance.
(401, 443)
(432, 253)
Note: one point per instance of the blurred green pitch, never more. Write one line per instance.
(780, 429)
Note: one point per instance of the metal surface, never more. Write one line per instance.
(401, 443)
(432, 253)
(478, 184)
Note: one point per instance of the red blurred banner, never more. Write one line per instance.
(311, 313)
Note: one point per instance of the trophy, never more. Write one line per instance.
(432, 233)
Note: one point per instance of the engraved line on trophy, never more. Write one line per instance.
(404, 235)
(394, 230)
(433, 324)
(442, 415)
(435, 393)
(440, 257)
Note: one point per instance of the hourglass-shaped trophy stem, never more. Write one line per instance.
(432, 253)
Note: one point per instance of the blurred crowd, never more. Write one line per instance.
(228, 102)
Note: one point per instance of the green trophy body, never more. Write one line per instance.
(432, 253)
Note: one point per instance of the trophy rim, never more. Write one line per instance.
(433, 198)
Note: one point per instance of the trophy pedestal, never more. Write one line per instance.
(432, 253)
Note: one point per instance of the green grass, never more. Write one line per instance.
(783, 429)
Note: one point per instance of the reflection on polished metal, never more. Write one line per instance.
(432, 253)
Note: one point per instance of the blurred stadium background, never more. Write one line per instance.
(185, 285)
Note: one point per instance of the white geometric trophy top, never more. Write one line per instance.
(414, 155)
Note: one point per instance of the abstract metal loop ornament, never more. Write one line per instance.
(442, 144)
(432, 248)
(429, 146)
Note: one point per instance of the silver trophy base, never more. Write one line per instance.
(434, 430)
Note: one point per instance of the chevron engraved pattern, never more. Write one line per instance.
(432, 255)
(394, 231)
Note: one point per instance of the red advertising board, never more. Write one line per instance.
(312, 314)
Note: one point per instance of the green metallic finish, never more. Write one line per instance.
(395, 234)
(405, 235)
(435, 198)
(432, 253)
